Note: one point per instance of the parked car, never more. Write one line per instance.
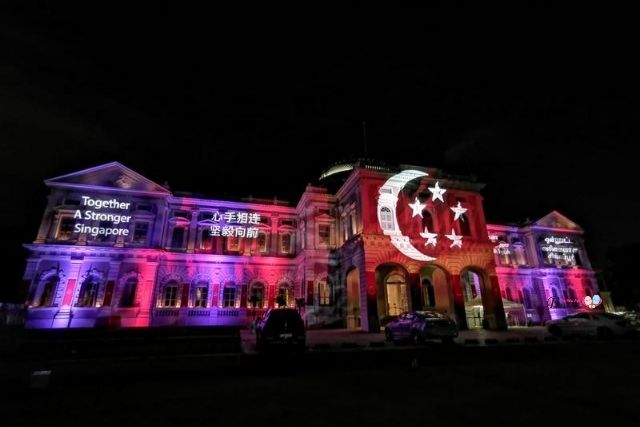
(420, 325)
(604, 325)
(280, 327)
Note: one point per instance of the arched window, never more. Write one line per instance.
(170, 294)
(129, 292)
(256, 295)
(48, 291)
(201, 294)
(428, 293)
(427, 220)
(386, 218)
(88, 295)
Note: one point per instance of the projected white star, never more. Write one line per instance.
(455, 239)
(458, 211)
(437, 192)
(431, 237)
(416, 207)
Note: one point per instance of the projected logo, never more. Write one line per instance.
(592, 302)
(388, 220)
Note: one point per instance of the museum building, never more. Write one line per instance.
(369, 242)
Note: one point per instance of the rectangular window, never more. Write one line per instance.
(324, 234)
(229, 297)
(206, 240)
(354, 223)
(262, 242)
(285, 246)
(233, 244)
(178, 237)
(65, 230)
(140, 232)
(257, 297)
(170, 297)
(202, 292)
(324, 293)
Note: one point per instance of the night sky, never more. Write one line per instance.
(227, 105)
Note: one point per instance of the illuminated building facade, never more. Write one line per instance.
(543, 268)
(115, 248)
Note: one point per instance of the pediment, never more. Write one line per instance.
(111, 176)
(556, 220)
(323, 217)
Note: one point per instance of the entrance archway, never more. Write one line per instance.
(482, 308)
(392, 288)
(396, 294)
(436, 290)
(472, 285)
(353, 298)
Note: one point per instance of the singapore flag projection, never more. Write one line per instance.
(388, 218)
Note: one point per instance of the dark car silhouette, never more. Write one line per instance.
(281, 327)
(420, 325)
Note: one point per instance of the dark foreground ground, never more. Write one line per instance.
(581, 383)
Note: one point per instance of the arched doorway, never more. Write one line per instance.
(471, 283)
(392, 288)
(353, 298)
(436, 290)
(396, 294)
(483, 307)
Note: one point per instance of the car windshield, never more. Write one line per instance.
(430, 315)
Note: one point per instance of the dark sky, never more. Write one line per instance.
(226, 104)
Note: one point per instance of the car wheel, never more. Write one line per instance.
(388, 335)
(555, 330)
(604, 333)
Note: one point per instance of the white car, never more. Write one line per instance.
(604, 325)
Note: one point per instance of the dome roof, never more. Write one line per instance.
(349, 165)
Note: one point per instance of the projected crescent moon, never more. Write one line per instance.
(387, 203)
